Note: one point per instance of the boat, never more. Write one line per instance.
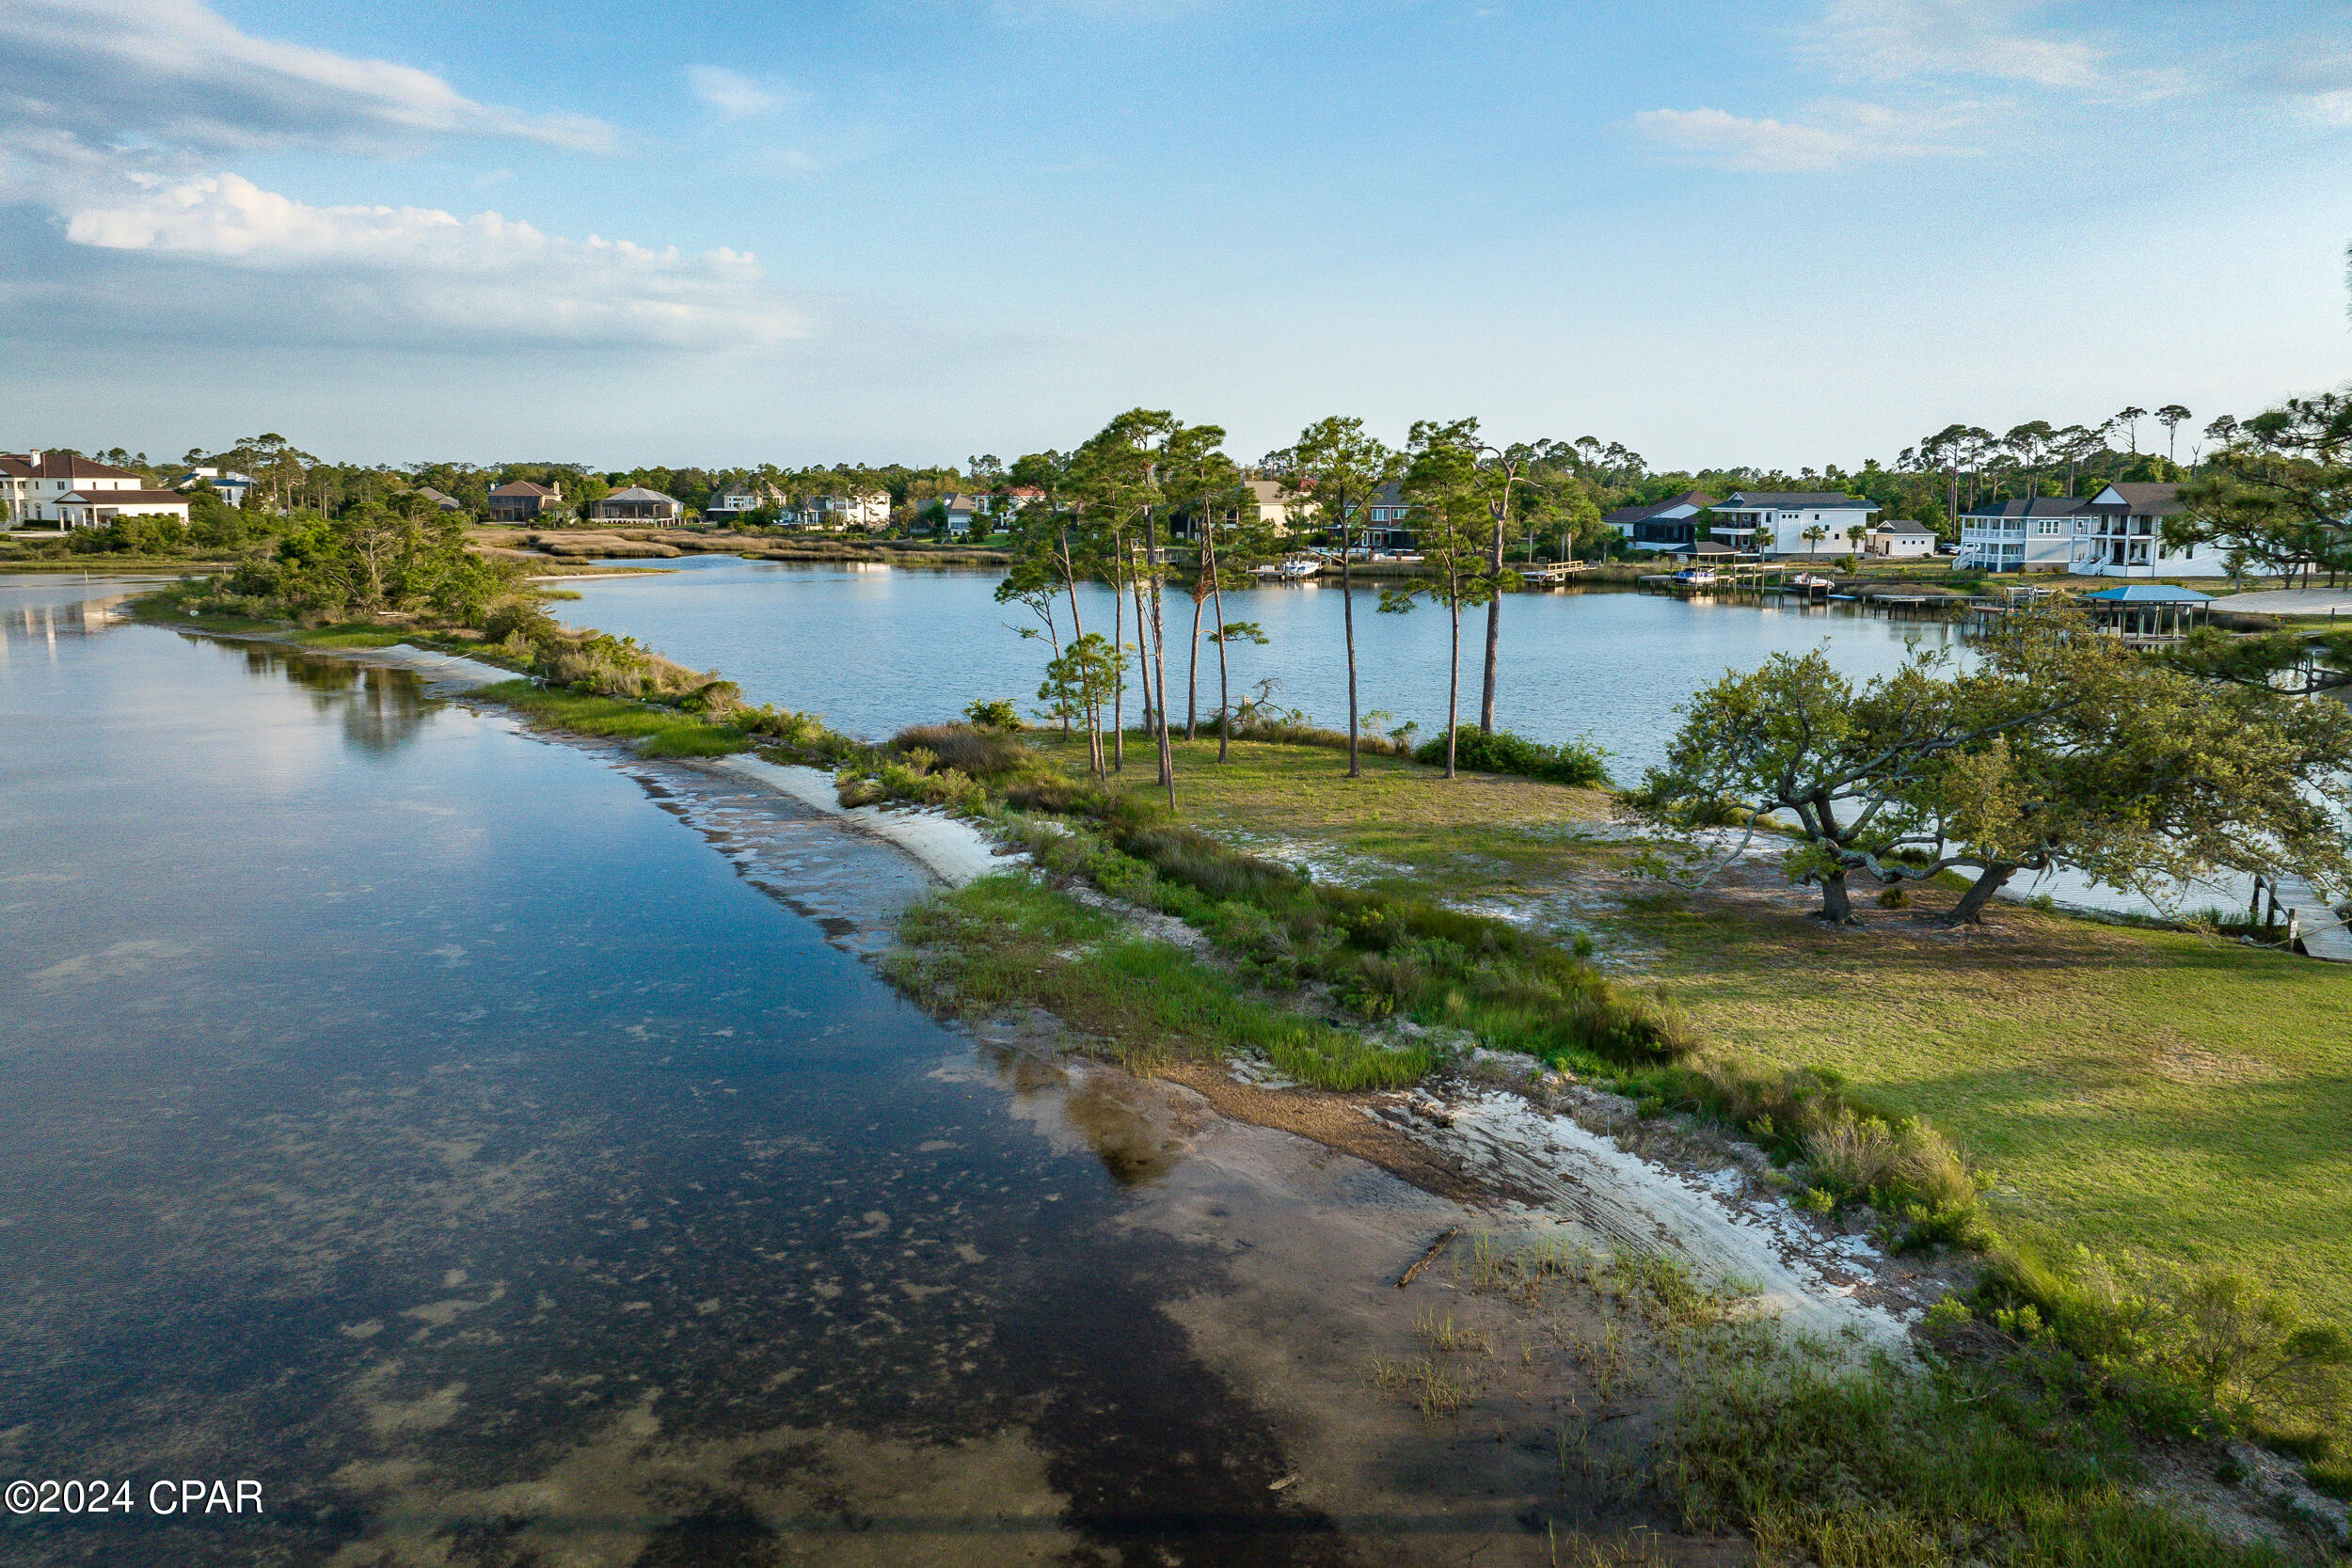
(1298, 566)
(1811, 580)
(1697, 576)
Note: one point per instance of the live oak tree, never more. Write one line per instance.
(2062, 749)
(2279, 491)
(1798, 741)
(1331, 477)
(2127, 767)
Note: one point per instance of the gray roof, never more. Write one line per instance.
(1698, 499)
(639, 493)
(1793, 501)
(2149, 500)
(2033, 506)
(1903, 525)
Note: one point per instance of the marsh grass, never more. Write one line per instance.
(656, 731)
(1007, 941)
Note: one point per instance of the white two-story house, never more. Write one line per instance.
(2123, 537)
(2037, 534)
(1775, 522)
(34, 487)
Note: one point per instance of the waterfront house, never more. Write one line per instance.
(445, 501)
(961, 511)
(2122, 535)
(229, 484)
(1899, 540)
(2034, 535)
(1775, 522)
(1382, 522)
(523, 501)
(865, 509)
(33, 484)
(1660, 525)
(95, 507)
(734, 499)
(639, 505)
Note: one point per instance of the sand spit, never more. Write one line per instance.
(954, 851)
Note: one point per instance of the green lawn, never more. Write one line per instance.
(2160, 1097)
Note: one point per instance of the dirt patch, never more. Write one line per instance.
(1339, 1121)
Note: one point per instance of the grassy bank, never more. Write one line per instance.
(1007, 941)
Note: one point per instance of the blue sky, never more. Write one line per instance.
(918, 229)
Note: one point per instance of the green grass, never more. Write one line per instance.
(2163, 1098)
(1006, 940)
(658, 732)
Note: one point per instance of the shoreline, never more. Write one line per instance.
(1466, 1139)
(1485, 1128)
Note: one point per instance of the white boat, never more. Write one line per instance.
(1298, 566)
(1697, 576)
(1811, 580)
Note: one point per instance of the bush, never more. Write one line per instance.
(999, 714)
(1575, 762)
(976, 751)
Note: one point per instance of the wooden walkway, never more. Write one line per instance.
(2321, 937)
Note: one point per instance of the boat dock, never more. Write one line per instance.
(2310, 919)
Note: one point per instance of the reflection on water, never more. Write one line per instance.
(379, 708)
(501, 1175)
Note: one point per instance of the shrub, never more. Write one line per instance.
(976, 751)
(998, 714)
(1574, 761)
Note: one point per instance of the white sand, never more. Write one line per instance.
(954, 851)
(1620, 1199)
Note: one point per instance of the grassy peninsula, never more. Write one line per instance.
(2030, 1093)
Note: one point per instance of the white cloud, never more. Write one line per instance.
(410, 269)
(1834, 131)
(175, 72)
(2319, 87)
(1902, 40)
(730, 92)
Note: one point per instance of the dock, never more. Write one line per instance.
(2310, 919)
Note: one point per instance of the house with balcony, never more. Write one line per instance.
(34, 485)
(737, 498)
(523, 501)
(638, 505)
(1665, 525)
(862, 509)
(1775, 522)
(229, 484)
(2123, 537)
(2038, 534)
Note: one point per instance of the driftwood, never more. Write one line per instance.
(1435, 1247)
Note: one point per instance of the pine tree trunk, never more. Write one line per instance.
(1192, 678)
(1454, 687)
(1970, 910)
(1494, 623)
(1118, 657)
(1348, 616)
(1159, 658)
(1224, 695)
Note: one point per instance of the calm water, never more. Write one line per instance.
(502, 1151)
(877, 648)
